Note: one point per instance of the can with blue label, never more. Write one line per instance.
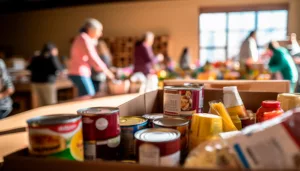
(129, 126)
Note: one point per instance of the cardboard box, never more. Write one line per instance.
(146, 103)
(279, 86)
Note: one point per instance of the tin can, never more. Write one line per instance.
(158, 147)
(184, 100)
(129, 161)
(152, 117)
(57, 136)
(103, 149)
(179, 124)
(129, 126)
(100, 123)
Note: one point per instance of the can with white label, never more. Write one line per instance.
(100, 123)
(183, 100)
(158, 147)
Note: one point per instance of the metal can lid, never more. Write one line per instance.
(131, 120)
(181, 88)
(129, 161)
(53, 119)
(171, 122)
(153, 116)
(157, 135)
(98, 111)
(196, 85)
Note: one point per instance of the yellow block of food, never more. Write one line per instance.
(204, 127)
(289, 101)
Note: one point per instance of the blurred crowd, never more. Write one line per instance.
(90, 64)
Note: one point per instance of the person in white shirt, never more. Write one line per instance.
(248, 51)
(294, 47)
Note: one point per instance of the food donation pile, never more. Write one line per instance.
(228, 136)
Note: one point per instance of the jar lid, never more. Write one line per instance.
(230, 89)
(271, 104)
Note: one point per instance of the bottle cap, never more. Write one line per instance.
(270, 104)
(230, 88)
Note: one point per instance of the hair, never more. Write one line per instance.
(47, 48)
(103, 49)
(147, 35)
(91, 23)
(252, 33)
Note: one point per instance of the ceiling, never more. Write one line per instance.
(12, 6)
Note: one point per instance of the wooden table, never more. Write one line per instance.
(15, 141)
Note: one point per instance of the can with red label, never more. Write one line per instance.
(179, 124)
(100, 123)
(183, 100)
(158, 147)
(57, 136)
(152, 117)
(102, 149)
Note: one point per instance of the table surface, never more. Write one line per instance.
(16, 141)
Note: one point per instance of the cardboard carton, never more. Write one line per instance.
(146, 103)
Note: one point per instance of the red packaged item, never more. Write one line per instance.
(268, 106)
(271, 115)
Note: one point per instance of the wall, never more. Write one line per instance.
(177, 18)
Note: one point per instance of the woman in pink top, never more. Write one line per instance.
(84, 56)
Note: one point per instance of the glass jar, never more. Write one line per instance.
(270, 108)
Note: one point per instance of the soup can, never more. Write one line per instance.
(152, 117)
(183, 100)
(100, 123)
(158, 147)
(129, 126)
(179, 124)
(103, 149)
(57, 136)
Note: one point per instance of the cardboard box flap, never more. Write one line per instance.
(21, 161)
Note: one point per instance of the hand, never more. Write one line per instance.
(110, 75)
(160, 57)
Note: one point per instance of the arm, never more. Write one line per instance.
(8, 85)
(95, 60)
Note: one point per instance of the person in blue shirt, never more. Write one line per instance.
(281, 61)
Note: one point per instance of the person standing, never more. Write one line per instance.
(44, 70)
(144, 58)
(248, 51)
(185, 59)
(99, 78)
(84, 56)
(281, 61)
(6, 90)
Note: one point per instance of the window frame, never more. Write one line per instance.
(228, 9)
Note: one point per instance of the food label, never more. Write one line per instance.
(184, 102)
(170, 160)
(101, 124)
(273, 147)
(90, 150)
(61, 141)
(149, 155)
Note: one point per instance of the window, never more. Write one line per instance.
(222, 33)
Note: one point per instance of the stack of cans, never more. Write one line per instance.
(101, 133)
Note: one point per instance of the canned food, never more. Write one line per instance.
(152, 117)
(129, 126)
(158, 147)
(57, 136)
(104, 149)
(179, 124)
(184, 100)
(129, 161)
(100, 123)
